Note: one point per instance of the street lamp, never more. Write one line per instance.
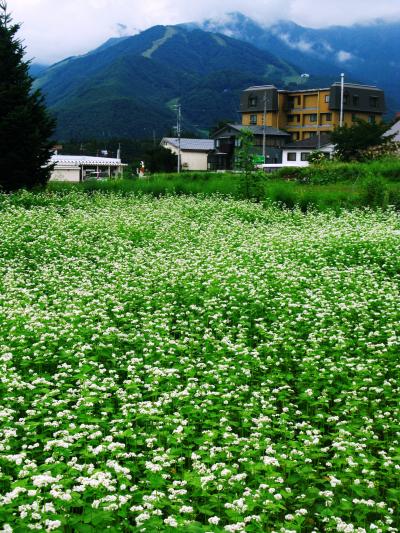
(264, 126)
(341, 98)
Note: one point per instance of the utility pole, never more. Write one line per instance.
(178, 133)
(264, 127)
(341, 98)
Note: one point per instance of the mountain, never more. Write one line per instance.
(365, 53)
(128, 87)
(36, 69)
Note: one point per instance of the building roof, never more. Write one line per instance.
(259, 87)
(312, 143)
(394, 130)
(356, 85)
(256, 130)
(78, 160)
(198, 145)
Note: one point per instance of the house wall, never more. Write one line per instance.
(71, 174)
(190, 160)
(298, 152)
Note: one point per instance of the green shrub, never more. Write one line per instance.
(375, 192)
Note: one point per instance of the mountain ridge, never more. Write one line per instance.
(150, 71)
(129, 85)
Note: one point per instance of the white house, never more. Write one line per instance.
(394, 130)
(76, 168)
(296, 154)
(194, 152)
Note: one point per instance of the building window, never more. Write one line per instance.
(373, 101)
(345, 99)
(313, 117)
(354, 117)
(217, 143)
(237, 142)
(294, 101)
(312, 134)
(356, 100)
(252, 101)
(292, 156)
(304, 156)
(295, 136)
(328, 117)
(327, 98)
(371, 119)
(253, 119)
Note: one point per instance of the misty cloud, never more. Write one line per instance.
(54, 30)
(344, 56)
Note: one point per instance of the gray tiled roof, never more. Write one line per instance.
(394, 130)
(312, 142)
(259, 130)
(77, 160)
(200, 145)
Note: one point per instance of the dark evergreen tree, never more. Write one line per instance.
(25, 125)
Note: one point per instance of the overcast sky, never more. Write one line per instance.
(55, 29)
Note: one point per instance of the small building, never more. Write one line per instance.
(227, 141)
(194, 152)
(394, 130)
(77, 168)
(296, 154)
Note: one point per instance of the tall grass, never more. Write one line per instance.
(329, 186)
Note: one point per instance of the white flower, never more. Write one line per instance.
(186, 509)
(170, 521)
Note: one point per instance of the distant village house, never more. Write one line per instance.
(78, 168)
(194, 152)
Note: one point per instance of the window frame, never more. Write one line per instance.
(252, 101)
(289, 156)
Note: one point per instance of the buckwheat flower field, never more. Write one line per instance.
(197, 365)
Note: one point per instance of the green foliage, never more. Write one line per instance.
(334, 172)
(25, 126)
(375, 191)
(317, 157)
(250, 182)
(160, 159)
(197, 364)
(351, 142)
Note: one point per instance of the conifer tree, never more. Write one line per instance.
(25, 125)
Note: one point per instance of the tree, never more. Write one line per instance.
(250, 182)
(160, 159)
(25, 125)
(352, 141)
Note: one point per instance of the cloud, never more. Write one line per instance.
(344, 56)
(301, 44)
(53, 30)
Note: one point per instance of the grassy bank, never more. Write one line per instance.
(330, 186)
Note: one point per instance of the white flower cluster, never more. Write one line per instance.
(197, 364)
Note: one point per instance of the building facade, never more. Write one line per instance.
(227, 141)
(77, 168)
(296, 154)
(310, 112)
(194, 152)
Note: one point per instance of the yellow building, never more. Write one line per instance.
(309, 112)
